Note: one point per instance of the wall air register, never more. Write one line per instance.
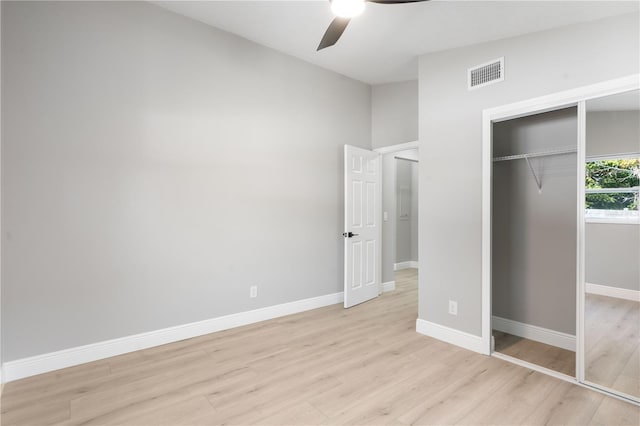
(486, 74)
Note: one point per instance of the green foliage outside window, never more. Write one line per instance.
(613, 174)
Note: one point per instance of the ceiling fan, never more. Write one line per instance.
(344, 11)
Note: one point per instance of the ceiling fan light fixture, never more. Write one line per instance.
(347, 8)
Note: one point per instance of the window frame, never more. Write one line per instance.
(617, 218)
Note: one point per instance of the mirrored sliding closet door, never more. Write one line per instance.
(612, 244)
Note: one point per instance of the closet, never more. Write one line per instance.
(561, 235)
(534, 231)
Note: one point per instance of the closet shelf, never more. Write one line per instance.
(536, 154)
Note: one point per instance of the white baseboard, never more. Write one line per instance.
(450, 335)
(405, 265)
(21, 368)
(620, 293)
(532, 332)
(388, 286)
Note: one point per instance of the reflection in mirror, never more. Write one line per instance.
(612, 244)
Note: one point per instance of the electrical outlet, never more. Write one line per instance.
(385, 216)
(253, 291)
(453, 307)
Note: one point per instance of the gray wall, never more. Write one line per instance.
(407, 228)
(154, 168)
(612, 251)
(451, 130)
(612, 132)
(394, 111)
(403, 225)
(612, 255)
(414, 210)
(534, 233)
(1, 231)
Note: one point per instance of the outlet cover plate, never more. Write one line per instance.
(453, 307)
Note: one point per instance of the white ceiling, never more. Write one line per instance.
(383, 43)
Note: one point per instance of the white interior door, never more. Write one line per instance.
(362, 230)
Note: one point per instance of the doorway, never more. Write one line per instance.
(380, 213)
(406, 192)
(400, 207)
(406, 212)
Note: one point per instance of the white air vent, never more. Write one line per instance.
(487, 73)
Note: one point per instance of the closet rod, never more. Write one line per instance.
(536, 154)
(526, 157)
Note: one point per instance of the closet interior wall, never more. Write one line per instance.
(534, 230)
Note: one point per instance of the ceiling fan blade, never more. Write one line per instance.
(394, 1)
(333, 33)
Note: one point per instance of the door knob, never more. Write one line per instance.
(349, 234)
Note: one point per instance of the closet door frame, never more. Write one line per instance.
(569, 98)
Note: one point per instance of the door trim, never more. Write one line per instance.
(398, 147)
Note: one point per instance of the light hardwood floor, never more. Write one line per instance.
(364, 365)
(612, 342)
(551, 357)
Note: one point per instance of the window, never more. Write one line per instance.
(611, 190)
